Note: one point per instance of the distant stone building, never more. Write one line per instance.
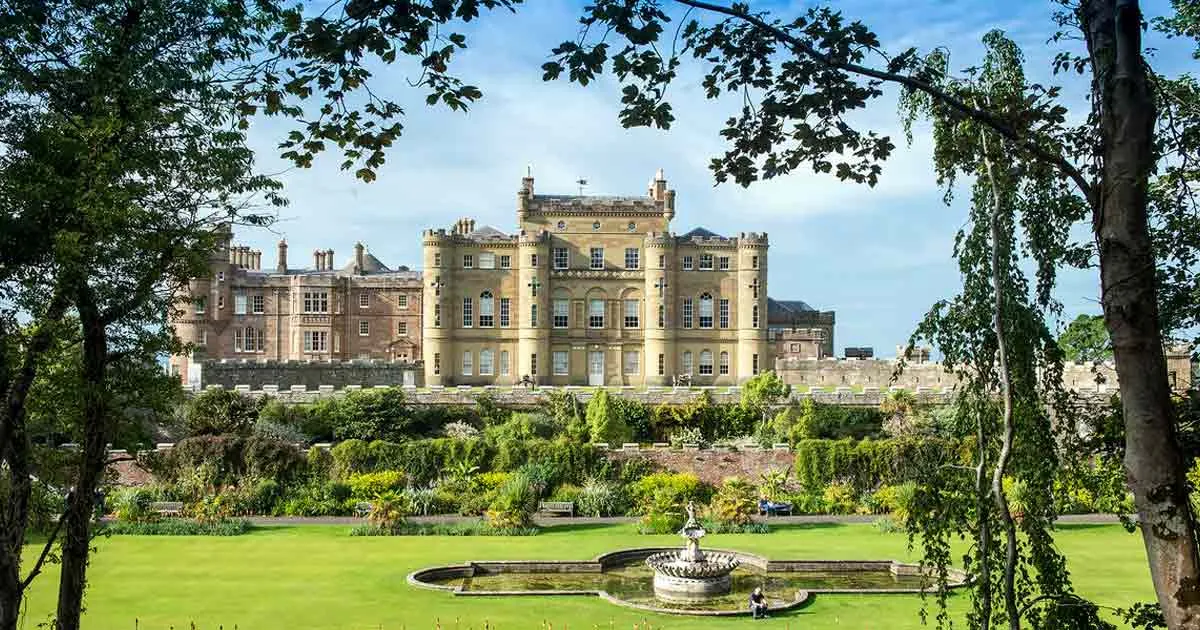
(362, 310)
(594, 291)
(799, 331)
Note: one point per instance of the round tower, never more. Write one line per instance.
(437, 345)
(533, 289)
(752, 305)
(659, 335)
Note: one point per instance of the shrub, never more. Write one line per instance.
(279, 432)
(604, 423)
(132, 505)
(424, 501)
(867, 464)
(460, 431)
(687, 435)
(567, 492)
(677, 488)
(221, 412)
(663, 513)
(379, 413)
(598, 497)
(319, 498)
(264, 496)
(838, 498)
(220, 460)
(734, 502)
(489, 481)
(471, 528)
(369, 485)
(514, 504)
(389, 511)
(178, 527)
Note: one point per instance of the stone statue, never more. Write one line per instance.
(691, 516)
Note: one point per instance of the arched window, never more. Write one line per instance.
(724, 363)
(486, 363)
(706, 363)
(687, 362)
(706, 310)
(487, 311)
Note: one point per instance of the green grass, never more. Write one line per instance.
(320, 577)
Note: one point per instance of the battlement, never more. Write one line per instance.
(753, 239)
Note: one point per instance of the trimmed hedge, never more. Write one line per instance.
(868, 464)
(178, 527)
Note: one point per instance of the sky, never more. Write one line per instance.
(879, 257)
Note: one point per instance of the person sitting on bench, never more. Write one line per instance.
(758, 604)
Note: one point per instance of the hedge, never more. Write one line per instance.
(868, 464)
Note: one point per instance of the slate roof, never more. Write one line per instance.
(701, 232)
(786, 307)
(487, 232)
(371, 264)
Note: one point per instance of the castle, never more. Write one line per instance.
(589, 290)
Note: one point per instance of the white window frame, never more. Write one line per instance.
(631, 362)
(487, 260)
(662, 364)
(201, 303)
(402, 301)
(595, 319)
(505, 312)
(402, 329)
(723, 313)
(316, 301)
(505, 261)
(468, 312)
(596, 258)
(686, 362)
(487, 362)
(437, 315)
(562, 258)
(437, 362)
(724, 366)
(504, 363)
(706, 299)
(487, 310)
(562, 313)
(258, 304)
(706, 262)
(723, 263)
(364, 328)
(687, 312)
(560, 361)
(468, 261)
(687, 262)
(364, 300)
(632, 317)
(706, 362)
(316, 341)
(633, 258)
(239, 303)
(468, 363)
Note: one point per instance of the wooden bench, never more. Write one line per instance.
(167, 508)
(362, 508)
(561, 508)
(775, 509)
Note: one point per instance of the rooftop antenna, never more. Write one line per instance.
(582, 182)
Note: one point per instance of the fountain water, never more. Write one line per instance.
(690, 575)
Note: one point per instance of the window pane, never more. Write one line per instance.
(487, 260)
(561, 308)
(633, 362)
(596, 313)
(631, 314)
(560, 362)
(485, 363)
(468, 364)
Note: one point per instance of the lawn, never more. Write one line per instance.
(286, 578)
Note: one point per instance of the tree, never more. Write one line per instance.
(802, 78)
(1086, 340)
(762, 392)
(604, 423)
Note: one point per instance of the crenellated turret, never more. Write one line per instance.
(659, 289)
(752, 304)
(533, 310)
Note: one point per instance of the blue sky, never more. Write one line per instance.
(878, 256)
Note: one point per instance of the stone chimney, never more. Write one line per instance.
(328, 259)
(658, 190)
(317, 254)
(359, 267)
(527, 181)
(281, 257)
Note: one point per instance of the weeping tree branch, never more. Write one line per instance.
(1014, 136)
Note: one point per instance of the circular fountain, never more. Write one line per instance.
(690, 575)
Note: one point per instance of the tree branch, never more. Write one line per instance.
(798, 45)
(37, 567)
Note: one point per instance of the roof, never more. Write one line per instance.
(487, 232)
(701, 232)
(787, 307)
(371, 264)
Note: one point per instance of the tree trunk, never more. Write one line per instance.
(81, 503)
(1153, 461)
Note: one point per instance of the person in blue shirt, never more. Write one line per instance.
(758, 604)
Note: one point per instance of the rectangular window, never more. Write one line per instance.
(706, 262)
(504, 363)
(204, 337)
(662, 261)
(437, 362)
(258, 304)
(754, 316)
(239, 303)
(662, 315)
(561, 308)
(597, 258)
(706, 311)
(402, 329)
(468, 261)
(468, 314)
(724, 313)
(706, 363)
(364, 328)
(533, 260)
(487, 260)
(723, 263)
(486, 363)
(506, 262)
(468, 364)
(315, 340)
(201, 304)
(631, 314)
(402, 301)
(595, 313)
(633, 362)
(437, 260)
(487, 315)
(220, 276)
(437, 315)
(662, 364)
(316, 302)
(754, 364)
(237, 340)
(632, 258)
(687, 362)
(687, 263)
(559, 359)
(724, 363)
(220, 302)
(364, 300)
(754, 262)
(687, 312)
(533, 315)
(504, 310)
(561, 258)
(533, 364)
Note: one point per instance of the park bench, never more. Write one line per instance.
(362, 508)
(562, 508)
(167, 508)
(770, 508)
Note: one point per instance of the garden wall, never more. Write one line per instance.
(713, 465)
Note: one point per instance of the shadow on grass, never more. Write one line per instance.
(578, 527)
(1086, 526)
(799, 527)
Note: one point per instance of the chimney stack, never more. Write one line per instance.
(281, 258)
(527, 181)
(258, 260)
(359, 267)
(328, 260)
(317, 259)
(659, 191)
